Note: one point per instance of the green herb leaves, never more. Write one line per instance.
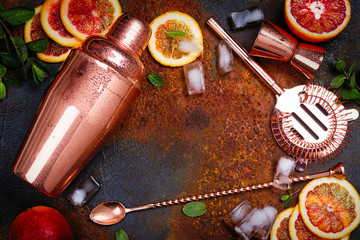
(155, 80)
(173, 34)
(287, 198)
(194, 209)
(347, 80)
(16, 53)
(17, 15)
(121, 235)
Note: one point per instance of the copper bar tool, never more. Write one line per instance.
(111, 212)
(307, 122)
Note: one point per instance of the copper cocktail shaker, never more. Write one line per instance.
(86, 103)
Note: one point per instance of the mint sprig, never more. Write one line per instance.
(16, 54)
(155, 80)
(173, 34)
(194, 209)
(347, 81)
(287, 198)
(121, 235)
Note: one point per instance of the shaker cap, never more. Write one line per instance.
(131, 32)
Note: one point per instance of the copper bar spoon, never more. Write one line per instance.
(111, 212)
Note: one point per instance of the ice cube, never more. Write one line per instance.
(263, 231)
(194, 75)
(238, 214)
(224, 58)
(257, 223)
(284, 169)
(286, 166)
(188, 46)
(84, 191)
(247, 18)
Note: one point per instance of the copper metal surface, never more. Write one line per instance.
(172, 144)
(307, 122)
(273, 42)
(85, 105)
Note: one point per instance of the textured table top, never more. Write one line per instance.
(172, 144)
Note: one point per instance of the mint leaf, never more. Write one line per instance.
(17, 15)
(353, 81)
(2, 32)
(287, 202)
(352, 67)
(338, 81)
(155, 80)
(350, 94)
(2, 70)
(38, 45)
(340, 64)
(41, 65)
(38, 74)
(9, 60)
(194, 209)
(20, 48)
(121, 235)
(11, 81)
(284, 197)
(2, 90)
(173, 34)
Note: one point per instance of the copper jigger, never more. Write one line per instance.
(275, 43)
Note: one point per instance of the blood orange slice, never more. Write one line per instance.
(83, 18)
(54, 51)
(330, 207)
(175, 51)
(280, 229)
(298, 229)
(53, 26)
(317, 20)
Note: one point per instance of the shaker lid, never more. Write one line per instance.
(131, 32)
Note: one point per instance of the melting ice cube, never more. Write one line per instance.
(247, 18)
(188, 46)
(194, 75)
(257, 223)
(238, 214)
(224, 58)
(284, 169)
(84, 191)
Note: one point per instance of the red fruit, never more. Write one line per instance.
(40, 223)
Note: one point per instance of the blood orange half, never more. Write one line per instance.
(53, 26)
(83, 18)
(330, 207)
(54, 51)
(298, 229)
(317, 20)
(280, 229)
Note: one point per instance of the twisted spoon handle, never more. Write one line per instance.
(338, 171)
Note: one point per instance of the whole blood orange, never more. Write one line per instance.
(40, 223)
(280, 229)
(317, 20)
(83, 18)
(53, 26)
(298, 229)
(33, 30)
(330, 207)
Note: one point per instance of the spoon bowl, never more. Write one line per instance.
(108, 213)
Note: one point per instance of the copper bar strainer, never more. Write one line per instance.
(307, 121)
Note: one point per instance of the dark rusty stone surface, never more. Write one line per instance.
(172, 144)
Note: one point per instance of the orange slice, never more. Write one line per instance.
(52, 25)
(298, 229)
(330, 207)
(317, 20)
(33, 30)
(280, 229)
(170, 51)
(83, 18)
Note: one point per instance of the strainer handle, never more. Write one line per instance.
(242, 53)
